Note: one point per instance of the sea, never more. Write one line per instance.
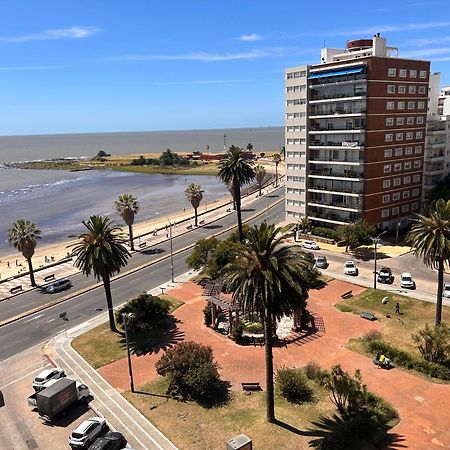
(58, 201)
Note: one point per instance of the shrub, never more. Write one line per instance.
(148, 312)
(312, 370)
(201, 253)
(254, 327)
(433, 343)
(192, 372)
(327, 233)
(237, 332)
(293, 385)
(207, 314)
(372, 335)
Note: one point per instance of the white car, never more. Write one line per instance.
(406, 281)
(446, 290)
(46, 375)
(350, 268)
(86, 433)
(311, 245)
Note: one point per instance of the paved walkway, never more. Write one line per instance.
(424, 418)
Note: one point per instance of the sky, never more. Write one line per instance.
(109, 65)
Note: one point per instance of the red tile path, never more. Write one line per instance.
(424, 407)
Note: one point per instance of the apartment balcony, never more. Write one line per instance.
(335, 201)
(336, 144)
(332, 216)
(329, 114)
(339, 81)
(434, 145)
(434, 131)
(434, 158)
(337, 131)
(335, 174)
(433, 171)
(319, 99)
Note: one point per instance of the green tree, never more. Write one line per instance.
(304, 224)
(260, 175)
(194, 193)
(100, 250)
(430, 240)
(235, 169)
(268, 279)
(201, 253)
(441, 190)
(23, 236)
(127, 206)
(356, 234)
(433, 343)
(276, 159)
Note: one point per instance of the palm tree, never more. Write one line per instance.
(238, 171)
(269, 279)
(127, 206)
(430, 239)
(260, 175)
(23, 236)
(276, 160)
(194, 193)
(100, 250)
(304, 223)
(230, 189)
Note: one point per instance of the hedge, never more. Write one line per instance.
(328, 233)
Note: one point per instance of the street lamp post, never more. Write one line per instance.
(375, 241)
(171, 251)
(125, 317)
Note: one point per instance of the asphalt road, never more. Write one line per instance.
(41, 326)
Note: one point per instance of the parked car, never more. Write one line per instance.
(86, 433)
(113, 440)
(446, 291)
(322, 262)
(58, 286)
(47, 375)
(406, 281)
(350, 268)
(385, 275)
(311, 245)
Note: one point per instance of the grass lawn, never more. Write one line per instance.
(100, 346)
(396, 329)
(200, 169)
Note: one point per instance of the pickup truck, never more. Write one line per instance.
(57, 398)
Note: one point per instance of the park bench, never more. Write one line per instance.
(202, 222)
(49, 277)
(229, 210)
(189, 227)
(368, 315)
(142, 244)
(253, 386)
(16, 289)
(347, 294)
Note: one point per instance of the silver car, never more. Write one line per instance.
(58, 286)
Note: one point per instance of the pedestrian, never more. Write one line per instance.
(397, 308)
(8, 264)
(17, 263)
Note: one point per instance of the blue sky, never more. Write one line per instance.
(110, 65)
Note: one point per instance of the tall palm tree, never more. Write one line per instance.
(269, 279)
(276, 159)
(237, 170)
(260, 175)
(230, 189)
(127, 206)
(23, 236)
(100, 250)
(430, 239)
(194, 193)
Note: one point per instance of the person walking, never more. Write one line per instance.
(397, 308)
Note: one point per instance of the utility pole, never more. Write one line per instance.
(375, 241)
(125, 317)
(171, 251)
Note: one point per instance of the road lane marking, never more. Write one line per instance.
(33, 318)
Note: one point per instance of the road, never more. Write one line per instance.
(41, 326)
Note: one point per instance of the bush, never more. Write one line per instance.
(409, 361)
(372, 335)
(192, 372)
(254, 327)
(328, 233)
(312, 370)
(207, 314)
(293, 385)
(433, 343)
(202, 251)
(237, 332)
(148, 312)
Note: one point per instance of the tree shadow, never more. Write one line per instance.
(212, 226)
(291, 428)
(248, 210)
(152, 251)
(367, 254)
(154, 341)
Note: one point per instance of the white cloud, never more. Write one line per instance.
(75, 32)
(25, 68)
(426, 52)
(423, 42)
(443, 58)
(250, 37)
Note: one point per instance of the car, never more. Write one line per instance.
(406, 281)
(58, 286)
(311, 245)
(87, 431)
(113, 440)
(385, 275)
(446, 290)
(322, 262)
(350, 268)
(47, 375)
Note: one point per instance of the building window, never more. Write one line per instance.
(419, 134)
(396, 196)
(410, 121)
(417, 164)
(406, 180)
(419, 120)
(423, 74)
(303, 73)
(386, 184)
(408, 151)
(387, 168)
(294, 178)
(395, 211)
(409, 135)
(389, 121)
(398, 152)
(416, 178)
(386, 198)
(392, 72)
(407, 165)
(406, 194)
(405, 208)
(384, 213)
(413, 73)
(411, 105)
(388, 153)
(415, 192)
(402, 73)
(400, 120)
(389, 105)
(420, 105)
(397, 181)
(415, 206)
(402, 89)
(399, 136)
(397, 167)
(418, 149)
(422, 89)
(412, 89)
(391, 89)
(401, 105)
(389, 137)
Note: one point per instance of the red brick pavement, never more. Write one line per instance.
(424, 407)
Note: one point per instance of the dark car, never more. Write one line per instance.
(113, 440)
(385, 275)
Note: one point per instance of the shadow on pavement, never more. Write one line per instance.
(73, 414)
(367, 254)
(212, 227)
(152, 251)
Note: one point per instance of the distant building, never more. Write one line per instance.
(355, 135)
